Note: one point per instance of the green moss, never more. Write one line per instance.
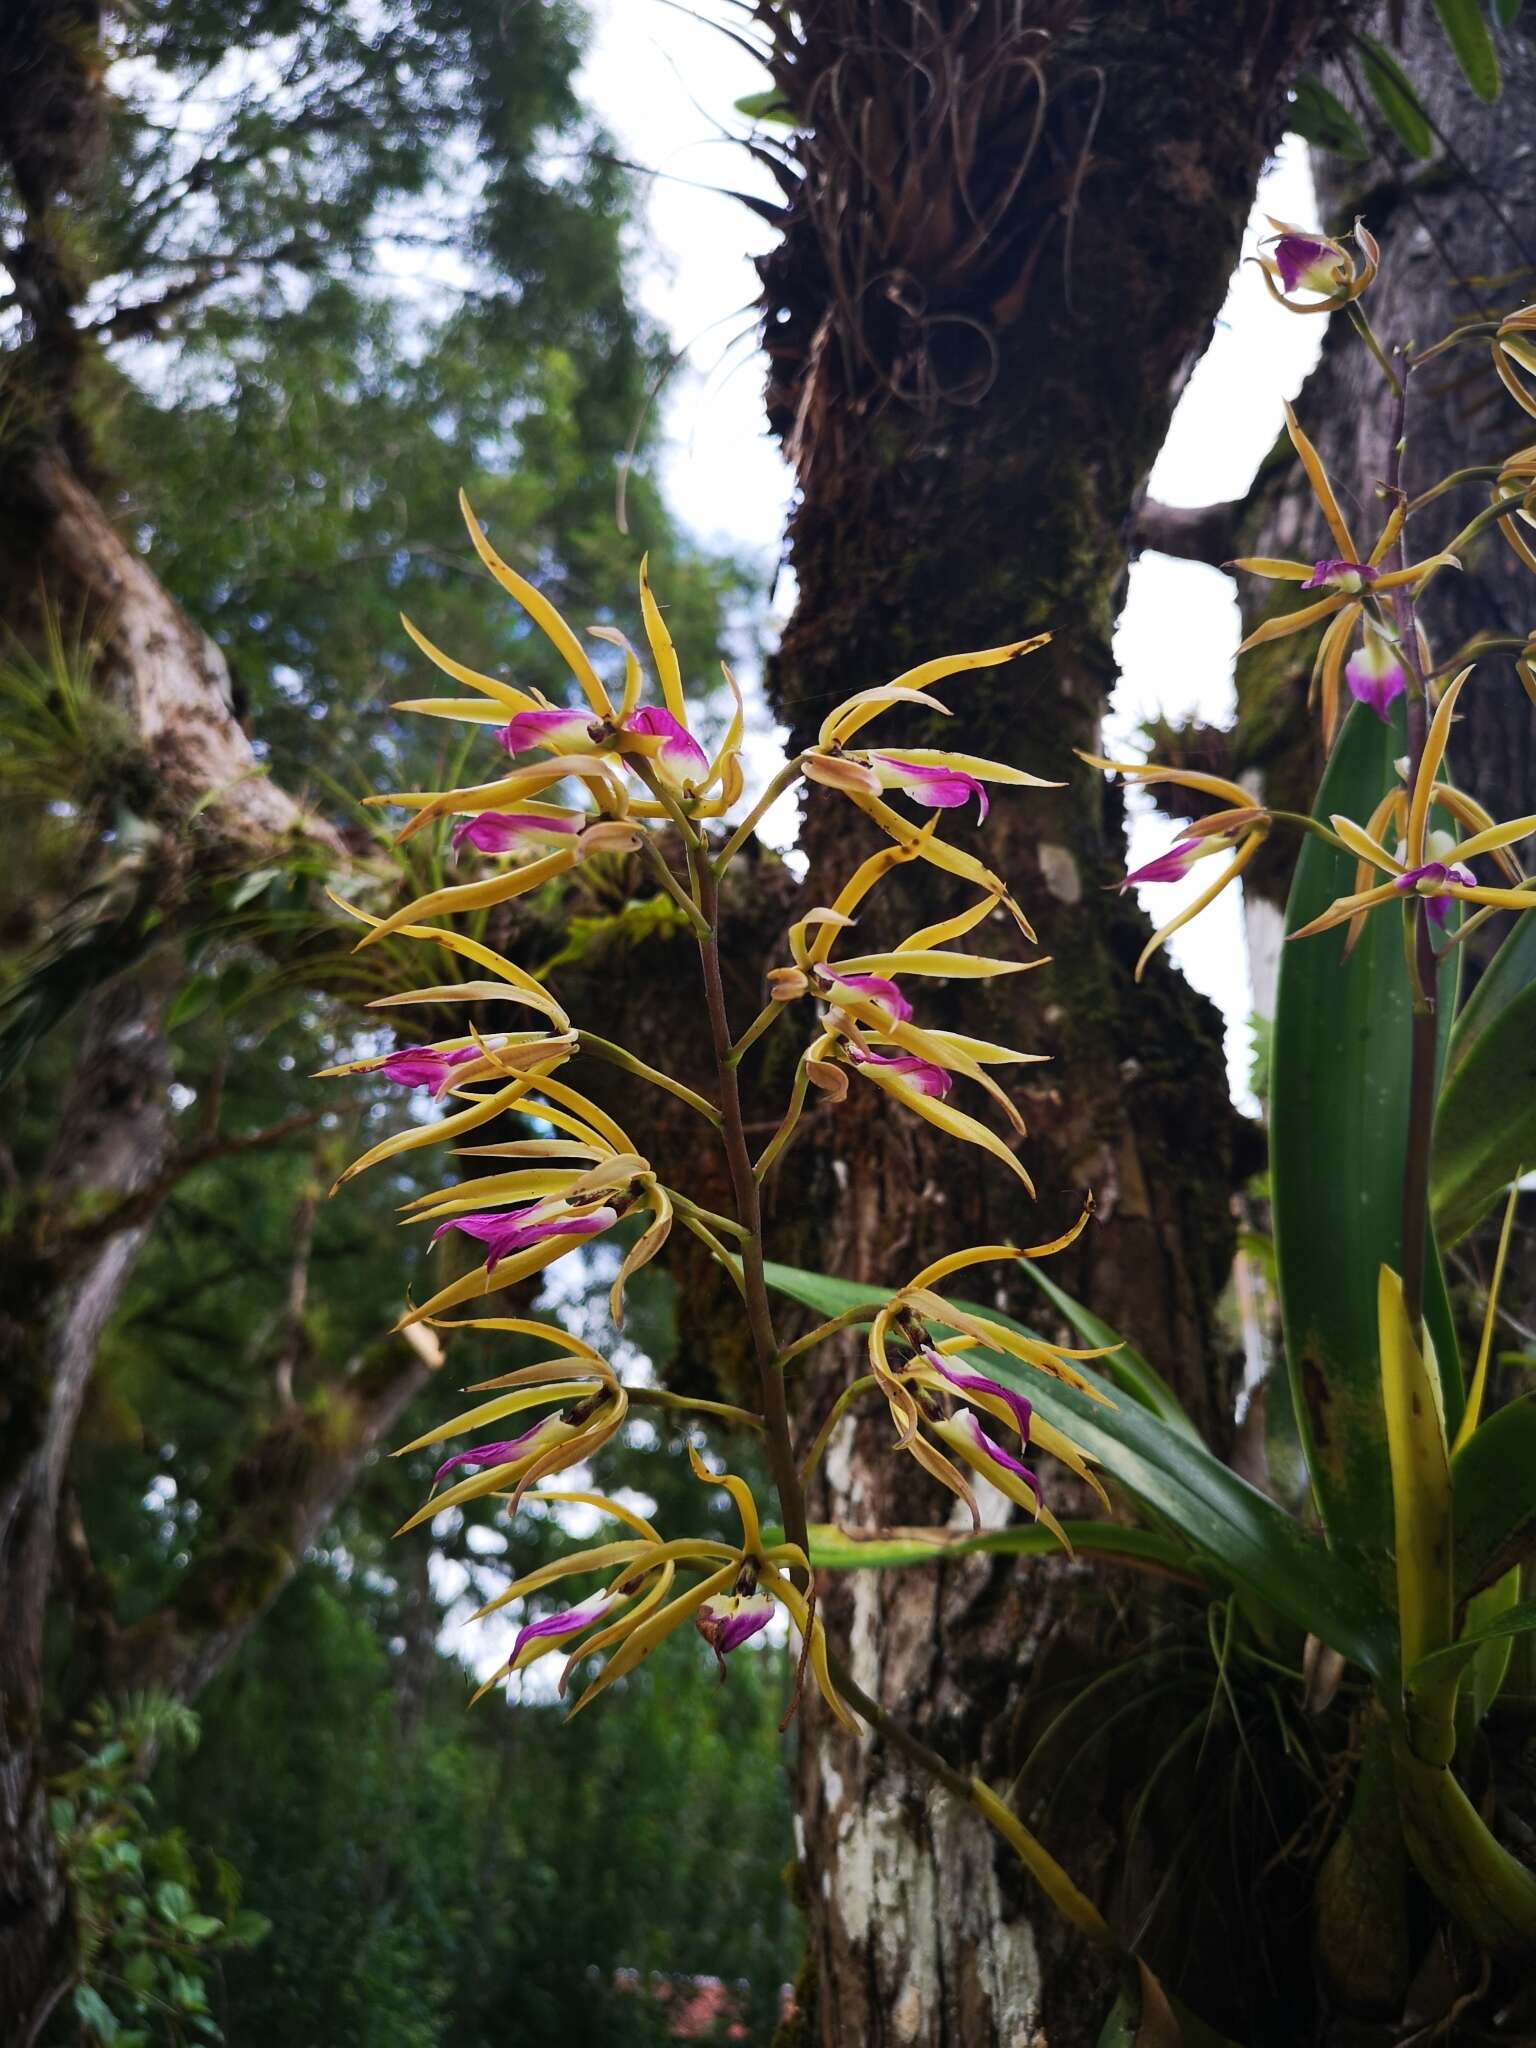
(590, 940)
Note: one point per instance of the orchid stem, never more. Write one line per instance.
(780, 1446)
(765, 1020)
(674, 888)
(616, 1056)
(1422, 963)
(822, 1331)
(787, 776)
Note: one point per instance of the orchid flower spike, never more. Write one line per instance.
(1298, 260)
(739, 1585)
(917, 1353)
(1429, 866)
(1354, 582)
(588, 1406)
(1242, 826)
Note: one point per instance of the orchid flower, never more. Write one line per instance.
(1430, 865)
(589, 1406)
(1302, 260)
(514, 831)
(1242, 825)
(1351, 578)
(934, 1400)
(741, 1583)
(535, 1213)
(1375, 673)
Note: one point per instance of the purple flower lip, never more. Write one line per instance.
(873, 985)
(947, 789)
(568, 1623)
(506, 1231)
(923, 1074)
(503, 831)
(998, 1456)
(729, 1620)
(1171, 866)
(1375, 675)
(1437, 904)
(1341, 575)
(423, 1066)
(1295, 255)
(504, 1453)
(551, 729)
(681, 758)
(979, 1383)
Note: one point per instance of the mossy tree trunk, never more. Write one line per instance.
(1004, 248)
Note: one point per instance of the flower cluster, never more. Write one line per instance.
(607, 776)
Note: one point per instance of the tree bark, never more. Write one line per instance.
(972, 417)
(113, 1135)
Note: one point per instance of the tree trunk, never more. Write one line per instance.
(972, 411)
(113, 1136)
(1443, 229)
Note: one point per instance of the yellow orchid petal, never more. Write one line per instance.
(730, 746)
(950, 966)
(596, 1119)
(640, 1253)
(1503, 899)
(654, 1630)
(983, 1050)
(430, 805)
(1367, 848)
(956, 927)
(447, 1127)
(502, 888)
(1229, 874)
(1345, 907)
(478, 1281)
(741, 1494)
(1273, 567)
(490, 1190)
(632, 674)
(814, 1636)
(953, 1122)
(1146, 773)
(1387, 539)
(467, 710)
(525, 1326)
(503, 693)
(490, 1480)
(968, 764)
(543, 614)
(1322, 490)
(668, 669)
(1286, 623)
(1490, 840)
(942, 855)
(537, 996)
(838, 725)
(494, 1411)
(1435, 743)
(1415, 571)
(595, 1560)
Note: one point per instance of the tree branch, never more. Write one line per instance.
(1191, 533)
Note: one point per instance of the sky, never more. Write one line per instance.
(664, 81)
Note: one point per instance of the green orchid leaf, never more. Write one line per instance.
(1394, 94)
(1493, 1499)
(835, 1549)
(1485, 1124)
(1125, 1365)
(1467, 33)
(1323, 120)
(1338, 1123)
(1514, 1621)
(1183, 1486)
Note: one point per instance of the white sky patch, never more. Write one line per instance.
(664, 83)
